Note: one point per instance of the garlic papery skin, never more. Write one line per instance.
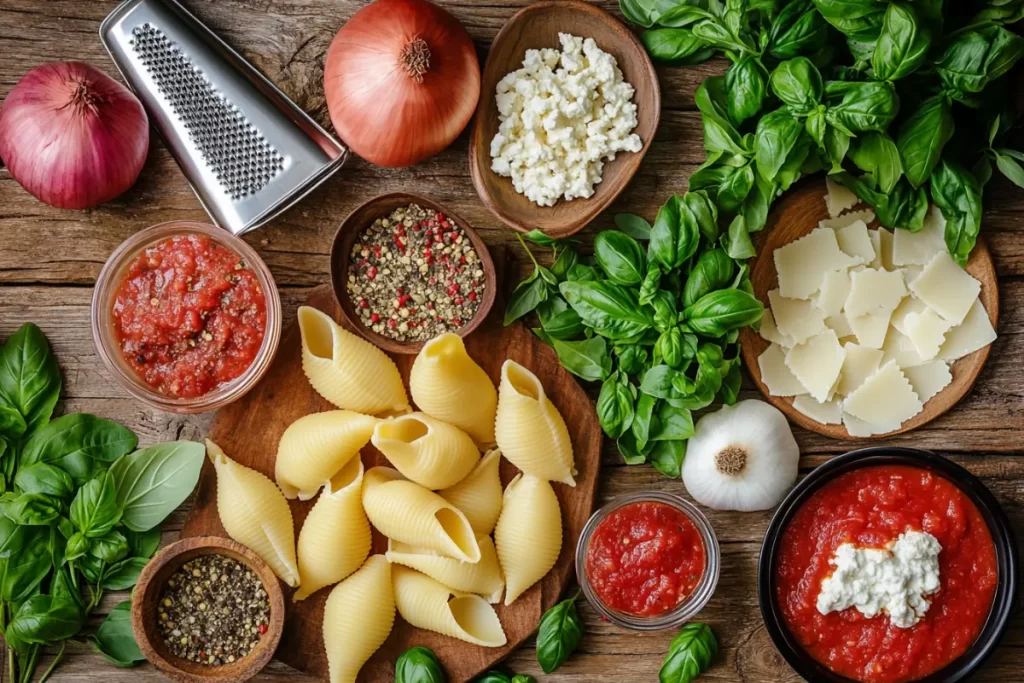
(742, 457)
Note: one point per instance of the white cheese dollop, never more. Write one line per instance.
(562, 115)
(895, 579)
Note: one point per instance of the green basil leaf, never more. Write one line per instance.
(79, 443)
(998, 12)
(615, 406)
(719, 132)
(676, 46)
(11, 422)
(859, 20)
(902, 45)
(143, 543)
(670, 347)
(559, 634)
(558, 320)
(731, 384)
(855, 107)
(665, 313)
(111, 547)
(29, 377)
(45, 619)
(621, 257)
(95, 510)
(635, 226)
(631, 452)
(152, 482)
(124, 574)
(523, 678)
(877, 154)
(738, 245)
(705, 214)
(777, 133)
(746, 82)
(976, 58)
(689, 655)
(797, 82)
(798, 29)
(33, 509)
(643, 417)
(527, 296)
(837, 143)
(115, 639)
(735, 187)
(632, 358)
(671, 423)
(651, 284)
(637, 12)
(46, 479)
(665, 234)
(582, 272)
(718, 312)
(922, 137)
(23, 571)
(567, 258)
(1009, 167)
(713, 270)
(667, 457)
(957, 193)
(658, 380)
(612, 311)
(540, 238)
(77, 546)
(419, 665)
(587, 359)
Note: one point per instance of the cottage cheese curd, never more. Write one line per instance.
(895, 579)
(562, 115)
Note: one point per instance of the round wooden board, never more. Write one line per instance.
(797, 214)
(249, 431)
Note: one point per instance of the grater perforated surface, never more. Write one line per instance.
(231, 146)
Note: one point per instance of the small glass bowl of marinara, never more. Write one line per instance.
(648, 561)
(186, 317)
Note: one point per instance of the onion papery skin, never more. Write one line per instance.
(378, 109)
(73, 136)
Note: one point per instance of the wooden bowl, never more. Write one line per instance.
(353, 226)
(797, 214)
(538, 26)
(147, 595)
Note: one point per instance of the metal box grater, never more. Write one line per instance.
(246, 149)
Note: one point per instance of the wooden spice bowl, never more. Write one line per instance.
(354, 226)
(537, 26)
(147, 596)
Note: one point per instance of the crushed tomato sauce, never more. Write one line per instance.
(871, 507)
(644, 559)
(189, 315)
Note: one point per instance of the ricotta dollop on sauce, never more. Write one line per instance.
(562, 115)
(896, 579)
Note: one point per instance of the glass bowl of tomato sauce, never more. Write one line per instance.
(648, 561)
(186, 317)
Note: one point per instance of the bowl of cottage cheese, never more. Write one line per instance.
(569, 107)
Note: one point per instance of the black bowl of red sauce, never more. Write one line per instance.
(869, 498)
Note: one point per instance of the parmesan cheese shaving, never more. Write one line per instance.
(839, 198)
(918, 248)
(929, 379)
(817, 364)
(885, 397)
(775, 375)
(974, 333)
(860, 363)
(770, 333)
(855, 242)
(870, 329)
(947, 288)
(927, 331)
(835, 287)
(796, 318)
(872, 291)
(866, 215)
(828, 413)
(800, 264)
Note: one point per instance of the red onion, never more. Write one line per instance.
(72, 135)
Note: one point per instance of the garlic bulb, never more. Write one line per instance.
(743, 457)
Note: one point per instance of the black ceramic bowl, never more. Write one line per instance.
(1002, 536)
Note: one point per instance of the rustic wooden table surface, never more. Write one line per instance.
(49, 260)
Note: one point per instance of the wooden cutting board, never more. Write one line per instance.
(249, 430)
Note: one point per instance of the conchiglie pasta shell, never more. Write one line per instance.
(358, 617)
(255, 513)
(529, 429)
(407, 512)
(425, 603)
(479, 494)
(350, 372)
(447, 384)
(432, 453)
(335, 538)
(482, 578)
(315, 447)
(528, 535)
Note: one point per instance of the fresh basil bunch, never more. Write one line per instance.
(80, 510)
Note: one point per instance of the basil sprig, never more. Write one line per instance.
(559, 634)
(689, 655)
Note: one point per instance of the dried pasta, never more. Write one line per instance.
(428, 451)
(425, 603)
(528, 536)
(358, 618)
(479, 494)
(483, 578)
(315, 447)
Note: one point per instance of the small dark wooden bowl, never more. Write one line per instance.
(147, 595)
(538, 26)
(353, 226)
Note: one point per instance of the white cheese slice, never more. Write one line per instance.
(770, 333)
(866, 215)
(827, 413)
(911, 273)
(796, 318)
(835, 287)
(876, 244)
(886, 397)
(899, 348)
(775, 375)
(947, 288)
(886, 239)
(857, 427)
(973, 333)
(870, 329)
(929, 379)
(855, 242)
(839, 198)
(927, 331)
(817, 363)
(918, 248)
(840, 325)
(860, 363)
(800, 264)
(873, 290)
(909, 305)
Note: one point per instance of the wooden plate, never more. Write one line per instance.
(249, 430)
(796, 215)
(538, 26)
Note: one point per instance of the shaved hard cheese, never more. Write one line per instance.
(796, 318)
(860, 363)
(855, 242)
(927, 331)
(857, 427)
(947, 288)
(775, 375)
(885, 237)
(770, 333)
(840, 325)
(827, 413)
(835, 287)
(929, 379)
(900, 349)
(885, 398)
(870, 329)
(911, 273)
(817, 364)
(800, 264)
(839, 198)
(873, 290)
(866, 215)
(974, 333)
(907, 306)
(918, 248)
(876, 244)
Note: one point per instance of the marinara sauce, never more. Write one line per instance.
(871, 507)
(645, 558)
(189, 315)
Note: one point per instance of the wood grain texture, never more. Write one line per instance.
(49, 260)
(794, 216)
(535, 27)
(250, 429)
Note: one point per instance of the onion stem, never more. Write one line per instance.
(415, 59)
